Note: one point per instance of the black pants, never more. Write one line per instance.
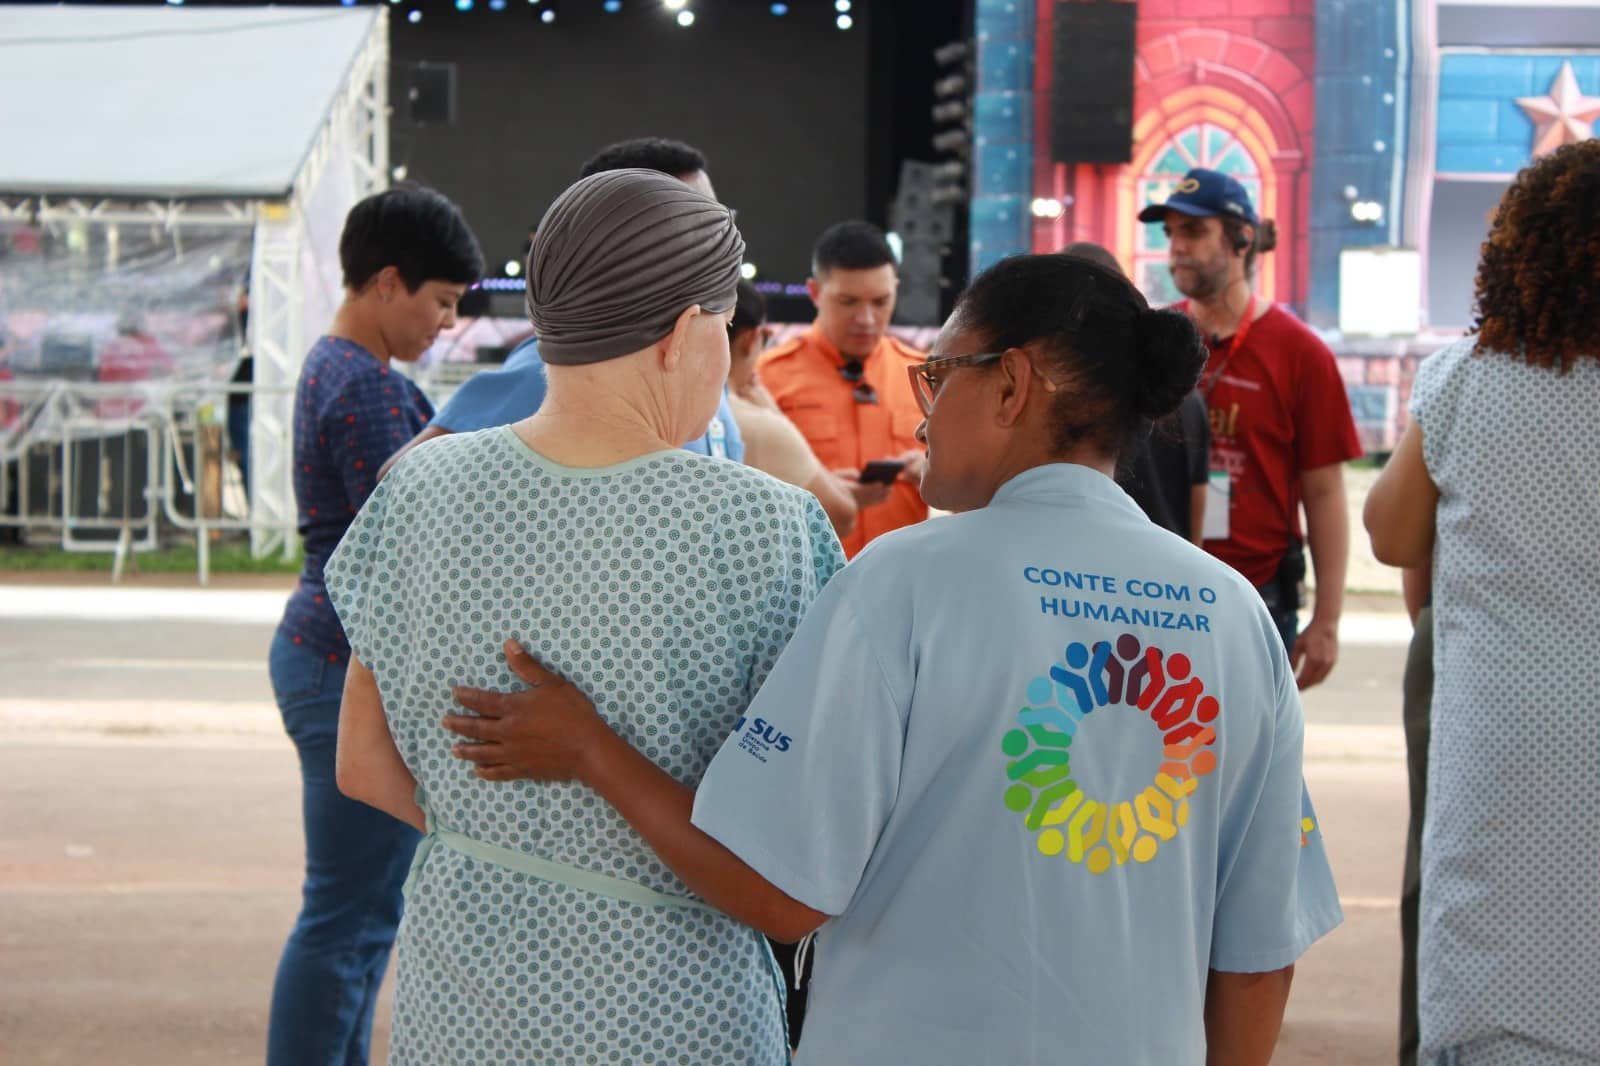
(1414, 715)
(1281, 593)
(785, 954)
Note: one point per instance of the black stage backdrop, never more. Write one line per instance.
(779, 105)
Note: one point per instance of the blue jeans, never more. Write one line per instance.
(356, 861)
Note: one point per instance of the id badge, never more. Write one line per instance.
(717, 439)
(1219, 496)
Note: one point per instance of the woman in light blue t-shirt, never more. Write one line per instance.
(1031, 772)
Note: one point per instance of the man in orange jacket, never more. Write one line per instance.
(843, 382)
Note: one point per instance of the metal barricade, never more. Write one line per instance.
(112, 467)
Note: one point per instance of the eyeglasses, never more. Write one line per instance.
(852, 372)
(926, 377)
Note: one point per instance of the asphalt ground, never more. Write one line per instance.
(150, 856)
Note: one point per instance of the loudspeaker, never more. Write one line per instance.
(1091, 94)
(431, 88)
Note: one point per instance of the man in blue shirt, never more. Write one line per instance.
(515, 391)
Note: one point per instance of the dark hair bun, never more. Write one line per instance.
(1169, 355)
(1266, 235)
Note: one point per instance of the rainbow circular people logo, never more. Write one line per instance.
(1102, 831)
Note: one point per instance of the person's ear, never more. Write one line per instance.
(1016, 382)
(673, 347)
(814, 290)
(390, 283)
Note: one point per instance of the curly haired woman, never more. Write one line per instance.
(1494, 482)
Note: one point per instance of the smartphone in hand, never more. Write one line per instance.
(881, 472)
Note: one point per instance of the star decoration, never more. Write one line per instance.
(1563, 116)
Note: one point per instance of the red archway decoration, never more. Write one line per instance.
(1229, 79)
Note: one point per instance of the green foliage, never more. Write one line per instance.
(227, 558)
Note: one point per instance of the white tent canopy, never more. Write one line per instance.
(152, 102)
(176, 120)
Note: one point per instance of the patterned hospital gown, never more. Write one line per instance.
(1510, 925)
(665, 588)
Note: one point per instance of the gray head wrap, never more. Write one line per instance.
(619, 256)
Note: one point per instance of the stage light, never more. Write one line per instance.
(613, 6)
(414, 17)
(547, 17)
(780, 9)
(748, 271)
(844, 22)
(686, 18)
(463, 5)
(512, 268)
(674, 5)
(399, 173)
(347, 3)
(497, 5)
(1048, 207)
(841, 6)
(1366, 211)
(174, 3)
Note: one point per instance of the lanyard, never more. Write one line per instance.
(1206, 384)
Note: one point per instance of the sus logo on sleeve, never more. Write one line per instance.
(761, 738)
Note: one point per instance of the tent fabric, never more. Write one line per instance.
(168, 102)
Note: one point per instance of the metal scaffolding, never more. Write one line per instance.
(294, 280)
(357, 134)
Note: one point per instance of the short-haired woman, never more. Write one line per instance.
(407, 256)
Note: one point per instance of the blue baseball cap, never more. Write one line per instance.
(1205, 194)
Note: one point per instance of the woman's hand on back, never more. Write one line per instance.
(545, 732)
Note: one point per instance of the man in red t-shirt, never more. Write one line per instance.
(1280, 418)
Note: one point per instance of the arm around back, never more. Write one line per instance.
(551, 732)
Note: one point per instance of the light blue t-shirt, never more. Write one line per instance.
(1043, 761)
(515, 391)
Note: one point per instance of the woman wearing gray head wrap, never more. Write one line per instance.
(539, 925)
(618, 258)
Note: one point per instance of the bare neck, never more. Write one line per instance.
(598, 416)
(1220, 315)
(355, 322)
(742, 376)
